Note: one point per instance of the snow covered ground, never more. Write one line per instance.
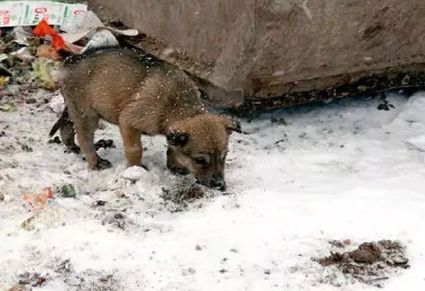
(342, 170)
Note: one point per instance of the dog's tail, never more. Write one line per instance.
(60, 123)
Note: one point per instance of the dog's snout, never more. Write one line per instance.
(218, 183)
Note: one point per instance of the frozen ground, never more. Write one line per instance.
(343, 170)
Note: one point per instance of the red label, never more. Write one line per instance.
(40, 10)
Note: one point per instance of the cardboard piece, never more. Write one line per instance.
(29, 13)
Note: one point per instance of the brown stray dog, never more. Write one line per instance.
(143, 96)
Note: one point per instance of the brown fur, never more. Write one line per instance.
(143, 96)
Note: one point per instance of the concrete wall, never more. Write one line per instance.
(267, 48)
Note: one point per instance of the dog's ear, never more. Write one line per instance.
(231, 125)
(175, 138)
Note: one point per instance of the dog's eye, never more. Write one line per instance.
(200, 161)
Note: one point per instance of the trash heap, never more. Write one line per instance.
(35, 38)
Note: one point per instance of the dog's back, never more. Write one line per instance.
(109, 80)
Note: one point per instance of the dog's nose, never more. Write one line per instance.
(219, 184)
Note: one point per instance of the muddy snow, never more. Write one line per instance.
(343, 171)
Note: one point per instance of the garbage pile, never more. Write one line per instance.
(35, 38)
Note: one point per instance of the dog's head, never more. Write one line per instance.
(199, 146)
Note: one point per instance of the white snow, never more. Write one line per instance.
(56, 103)
(134, 173)
(342, 170)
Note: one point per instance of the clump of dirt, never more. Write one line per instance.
(117, 219)
(370, 263)
(385, 105)
(87, 280)
(182, 195)
(104, 143)
(191, 193)
(31, 279)
(65, 267)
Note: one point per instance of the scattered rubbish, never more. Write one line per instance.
(29, 13)
(99, 35)
(36, 36)
(3, 57)
(100, 39)
(44, 71)
(8, 107)
(43, 29)
(12, 46)
(46, 218)
(24, 55)
(21, 36)
(48, 52)
(3, 81)
(40, 200)
(371, 262)
(68, 191)
(134, 173)
(78, 30)
(4, 72)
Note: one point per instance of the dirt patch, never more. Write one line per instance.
(31, 279)
(370, 263)
(179, 197)
(117, 219)
(190, 193)
(104, 143)
(64, 272)
(87, 280)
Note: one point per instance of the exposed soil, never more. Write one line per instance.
(31, 279)
(182, 195)
(370, 263)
